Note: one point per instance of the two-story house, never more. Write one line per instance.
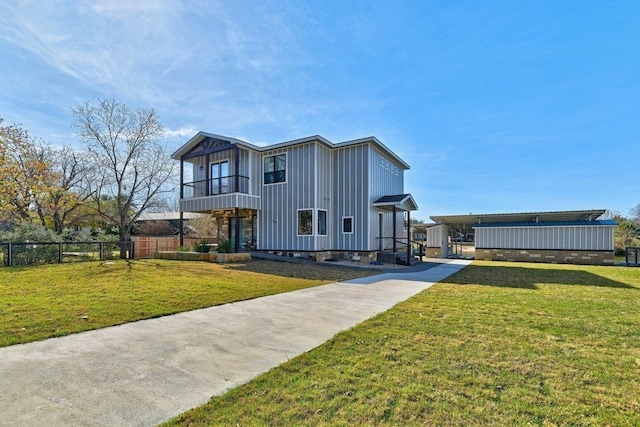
(307, 197)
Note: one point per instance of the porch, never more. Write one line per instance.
(237, 225)
(397, 249)
(215, 168)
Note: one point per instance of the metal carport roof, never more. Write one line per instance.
(467, 222)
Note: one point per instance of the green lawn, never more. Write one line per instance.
(46, 301)
(496, 344)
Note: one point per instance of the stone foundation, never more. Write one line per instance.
(363, 257)
(433, 252)
(209, 257)
(548, 256)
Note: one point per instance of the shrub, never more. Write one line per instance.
(30, 232)
(224, 247)
(202, 247)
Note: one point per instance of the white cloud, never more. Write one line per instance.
(228, 68)
(184, 132)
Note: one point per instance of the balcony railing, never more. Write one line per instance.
(216, 186)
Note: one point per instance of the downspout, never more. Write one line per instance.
(409, 237)
(181, 228)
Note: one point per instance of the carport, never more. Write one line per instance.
(574, 237)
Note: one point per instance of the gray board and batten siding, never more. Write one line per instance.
(577, 236)
(341, 179)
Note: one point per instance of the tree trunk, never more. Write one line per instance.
(125, 237)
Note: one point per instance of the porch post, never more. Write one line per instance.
(207, 176)
(237, 231)
(237, 171)
(181, 178)
(181, 233)
(409, 237)
(394, 229)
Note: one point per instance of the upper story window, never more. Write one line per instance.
(219, 178)
(275, 169)
(386, 164)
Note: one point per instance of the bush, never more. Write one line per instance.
(202, 247)
(30, 232)
(224, 247)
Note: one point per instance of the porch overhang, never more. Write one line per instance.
(399, 202)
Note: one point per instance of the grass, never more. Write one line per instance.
(495, 344)
(53, 300)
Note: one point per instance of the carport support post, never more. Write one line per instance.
(408, 237)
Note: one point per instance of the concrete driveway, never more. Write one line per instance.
(146, 372)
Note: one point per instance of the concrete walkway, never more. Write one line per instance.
(144, 373)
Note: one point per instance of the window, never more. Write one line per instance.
(322, 223)
(219, 178)
(275, 169)
(305, 222)
(347, 224)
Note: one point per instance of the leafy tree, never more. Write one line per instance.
(25, 175)
(635, 213)
(29, 232)
(129, 163)
(627, 233)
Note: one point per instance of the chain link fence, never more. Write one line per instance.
(34, 253)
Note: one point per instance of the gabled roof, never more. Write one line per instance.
(403, 202)
(370, 139)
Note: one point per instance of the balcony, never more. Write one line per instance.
(216, 186)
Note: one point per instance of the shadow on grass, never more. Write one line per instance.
(301, 270)
(531, 278)
(507, 277)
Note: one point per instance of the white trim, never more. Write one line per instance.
(342, 224)
(315, 138)
(298, 222)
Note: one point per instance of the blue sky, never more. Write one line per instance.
(497, 106)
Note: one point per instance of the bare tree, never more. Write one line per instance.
(62, 204)
(131, 166)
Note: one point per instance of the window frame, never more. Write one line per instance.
(349, 218)
(220, 177)
(264, 172)
(326, 222)
(298, 228)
